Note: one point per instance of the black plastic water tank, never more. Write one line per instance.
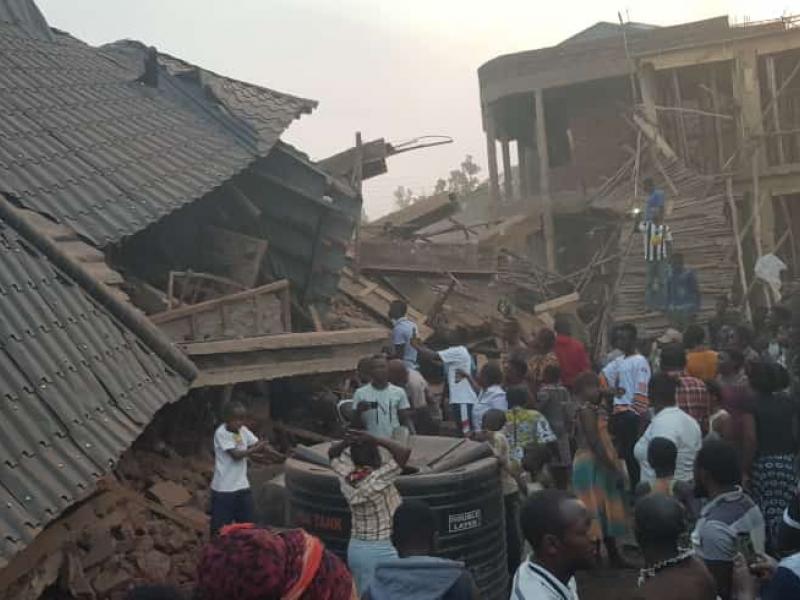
(466, 499)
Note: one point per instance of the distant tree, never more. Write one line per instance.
(460, 181)
(403, 197)
(465, 179)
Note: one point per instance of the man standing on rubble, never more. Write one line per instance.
(403, 331)
(655, 200)
(231, 498)
(657, 250)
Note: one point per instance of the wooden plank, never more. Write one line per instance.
(244, 314)
(268, 372)
(652, 133)
(739, 251)
(557, 303)
(378, 300)
(315, 318)
(756, 208)
(285, 341)
(421, 214)
(676, 90)
(183, 311)
(400, 255)
(776, 118)
(428, 269)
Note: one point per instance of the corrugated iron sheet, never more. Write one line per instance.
(82, 141)
(308, 221)
(77, 389)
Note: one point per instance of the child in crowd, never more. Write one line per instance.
(554, 402)
(525, 426)
(231, 498)
(492, 432)
(662, 454)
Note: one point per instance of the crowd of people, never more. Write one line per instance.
(688, 448)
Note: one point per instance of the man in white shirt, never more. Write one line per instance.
(557, 526)
(455, 359)
(672, 423)
(491, 394)
(628, 376)
(381, 406)
(231, 498)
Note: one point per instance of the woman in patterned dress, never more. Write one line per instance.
(773, 475)
(597, 478)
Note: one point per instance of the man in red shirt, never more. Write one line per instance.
(571, 353)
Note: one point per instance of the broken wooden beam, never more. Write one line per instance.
(259, 311)
(287, 355)
(376, 299)
(420, 214)
(652, 133)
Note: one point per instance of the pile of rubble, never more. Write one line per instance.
(116, 539)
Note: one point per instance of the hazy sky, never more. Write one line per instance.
(393, 69)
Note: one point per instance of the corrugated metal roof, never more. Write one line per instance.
(77, 389)
(25, 14)
(84, 142)
(260, 114)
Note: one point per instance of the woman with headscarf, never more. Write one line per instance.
(249, 563)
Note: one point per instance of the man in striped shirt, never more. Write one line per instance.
(657, 249)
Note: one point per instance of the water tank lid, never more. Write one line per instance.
(426, 451)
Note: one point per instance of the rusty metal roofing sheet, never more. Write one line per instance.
(84, 142)
(77, 389)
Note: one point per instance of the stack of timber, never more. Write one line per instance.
(702, 233)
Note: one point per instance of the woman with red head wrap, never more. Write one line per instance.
(248, 563)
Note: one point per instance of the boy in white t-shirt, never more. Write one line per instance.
(231, 498)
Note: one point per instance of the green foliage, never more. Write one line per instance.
(460, 181)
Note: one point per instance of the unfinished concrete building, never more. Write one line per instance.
(716, 101)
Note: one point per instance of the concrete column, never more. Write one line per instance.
(508, 176)
(491, 156)
(544, 181)
(747, 94)
(524, 171)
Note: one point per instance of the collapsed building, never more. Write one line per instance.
(707, 109)
(163, 251)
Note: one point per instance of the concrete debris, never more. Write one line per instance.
(170, 494)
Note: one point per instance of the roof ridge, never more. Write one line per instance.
(193, 66)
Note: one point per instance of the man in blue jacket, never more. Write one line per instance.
(417, 575)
